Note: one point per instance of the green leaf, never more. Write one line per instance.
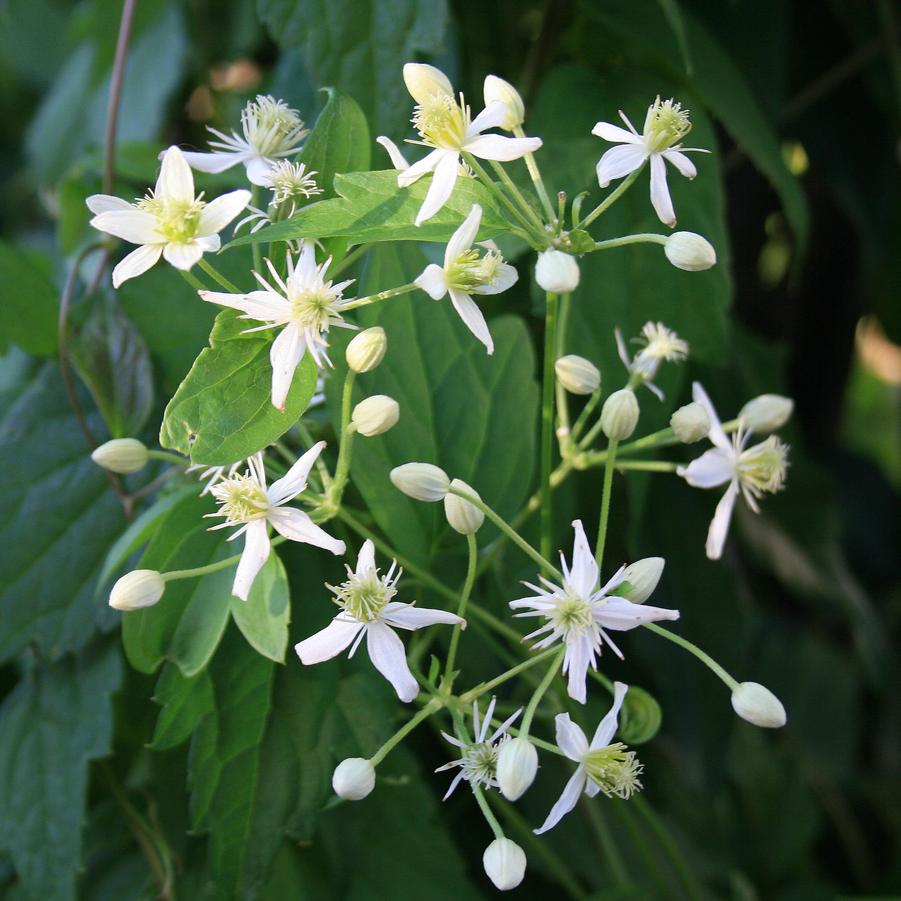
(185, 703)
(54, 721)
(222, 411)
(29, 309)
(264, 617)
(372, 208)
(359, 46)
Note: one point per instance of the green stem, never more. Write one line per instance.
(538, 694)
(484, 687)
(382, 295)
(342, 467)
(432, 707)
(704, 657)
(647, 465)
(547, 421)
(611, 198)
(255, 247)
(217, 276)
(167, 457)
(537, 180)
(349, 259)
(192, 280)
(175, 574)
(585, 415)
(630, 239)
(605, 503)
(461, 608)
(490, 818)
(517, 195)
(492, 186)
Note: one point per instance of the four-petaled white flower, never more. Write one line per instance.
(751, 471)
(478, 760)
(658, 343)
(245, 501)
(603, 766)
(664, 127)
(445, 125)
(271, 131)
(368, 611)
(578, 613)
(307, 307)
(170, 221)
(466, 271)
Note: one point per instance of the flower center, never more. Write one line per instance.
(291, 180)
(572, 614)
(666, 124)
(271, 127)
(471, 271)
(480, 763)
(661, 344)
(364, 597)
(441, 121)
(763, 466)
(242, 498)
(315, 308)
(177, 220)
(614, 769)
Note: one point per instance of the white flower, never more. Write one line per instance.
(603, 767)
(368, 611)
(445, 126)
(659, 343)
(307, 306)
(213, 475)
(751, 471)
(170, 221)
(289, 182)
(664, 127)
(270, 130)
(466, 271)
(578, 613)
(245, 501)
(478, 763)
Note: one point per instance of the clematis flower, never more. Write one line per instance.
(665, 125)
(369, 611)
(658, 344)
(305, 309)
(604, 767)
(749, 471)
(245, 501)
(270, 130)
(579, 614)
(291, 184)
(446, 127)
(478, 760)
(213, 475)
(169, 222)
(467, 272)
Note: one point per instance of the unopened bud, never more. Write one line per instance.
(690, 423)
(640, 579)
(421, 481)
(424, 82)
(505, 863)
(619, 415)
(496, 89)
(517, 763)
(353, 779)
(462, 515)
(375, 415)
(688, 251)
(122, 455)
(758, 705)
(136, 590)
(367, 349)
(577, 375)
(557, 272)
(767, 412)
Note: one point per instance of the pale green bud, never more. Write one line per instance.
(421, 481)
(424, 82)
(136, 590)
(640, 579)
(367, 349)
(577, 375)
(375, 415)
(688, 251)
(517, 764)
(462, 515)
(557, 272)
(690, 423)
(619, 415)
(122, 455)
(758, 705)
(505, 863)
(353, 779)
(496, 89)
(767, 412)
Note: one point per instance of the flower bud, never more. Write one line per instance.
(353, 779)
(136, 590)
(424, 81)
(122, 455)
(619, 415)
(496, 89)
(767, 412)
(505, 863)
(367, 349)
(421, 481)
(640, 579)
(688, 251)
(557, 272)
(758, 705)
(690, 423)
(375, 415)
(577, 375)
(462, 515)
(517, 763)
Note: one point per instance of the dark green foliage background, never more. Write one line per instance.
(173, 740)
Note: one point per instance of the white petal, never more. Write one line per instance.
(505, 277)
(660, 198)
(567, 800)
(570, 738)
(497, 147)
(183, 256)
(615, 134)
(420, 167)
(386, 651)
(578, 657)
(681, 162)
(285, 354)
(716, 433)
(328, 642)
(134, 226)
(472, 317)
(176, 181)
(397, 158)
(719, 525)
(262, 305)
(306, 269)
(136, 263)
(619, 161)
(219, 212)
(584, 573)
(366, 559)
(621, 615)
(296, 525)
(295, 479)
(212, 162)
(409, 616)
(258, 170)
(253, 557)
(491, 117)
(106, 203)
(441, 188)
(462, 239)
(208, 243)
(714, 467)
(432, 281)
(607, 726)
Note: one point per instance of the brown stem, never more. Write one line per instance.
(115, 94)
